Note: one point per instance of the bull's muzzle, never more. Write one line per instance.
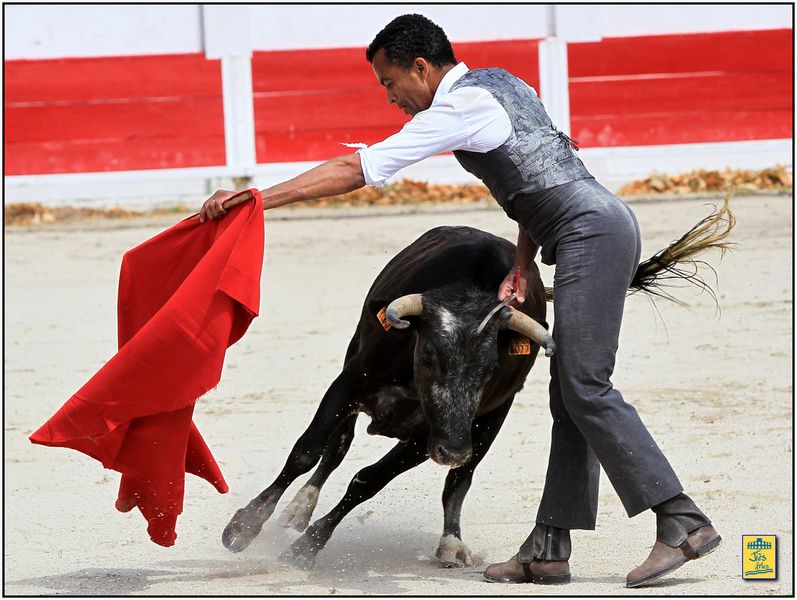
(449, 456)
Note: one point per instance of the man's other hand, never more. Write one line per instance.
(213, 207)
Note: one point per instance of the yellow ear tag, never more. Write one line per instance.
(519, 346)
(383, 319)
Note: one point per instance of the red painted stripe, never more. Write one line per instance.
(84, 156)
(346, 68)
(121, 122)
(103, 114)
(519, 57)
(674, 89)
(300, 146)
(113, 113)
(747, 92)
(733, 51)
(75, 79)
(308, 101)
(681, 128)
(350, 111)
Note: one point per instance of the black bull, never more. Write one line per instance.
(438, 386)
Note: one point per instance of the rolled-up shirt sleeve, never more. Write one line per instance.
(468, 118)
(440, 128)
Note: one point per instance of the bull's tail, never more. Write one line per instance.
(677, 263)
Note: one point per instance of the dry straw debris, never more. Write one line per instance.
(25, 214)
(701, 180)
(417, 192)
(409, 191)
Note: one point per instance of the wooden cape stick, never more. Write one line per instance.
(239, 198)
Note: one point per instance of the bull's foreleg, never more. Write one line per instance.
(368, 481)
(337, 405)
(452, 552)
(297, 514)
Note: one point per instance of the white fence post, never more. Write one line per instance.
(226, 30)
(554, 88)
(239, 114)
(565, 23)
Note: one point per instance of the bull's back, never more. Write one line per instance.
(445, 256)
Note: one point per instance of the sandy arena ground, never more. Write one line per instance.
(714, 389)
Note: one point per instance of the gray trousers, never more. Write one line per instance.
(593, 238)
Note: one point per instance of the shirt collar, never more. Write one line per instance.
(448, 80)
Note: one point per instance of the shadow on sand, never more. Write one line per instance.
(357, 560)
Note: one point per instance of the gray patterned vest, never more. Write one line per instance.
(536, 156)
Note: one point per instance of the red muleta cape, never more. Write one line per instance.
(185, 296)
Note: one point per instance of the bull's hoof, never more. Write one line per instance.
(294, 520)
(301, 553)
(242, 529)
(452, 552)
(298, 513)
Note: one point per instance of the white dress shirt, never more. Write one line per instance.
(469, 118)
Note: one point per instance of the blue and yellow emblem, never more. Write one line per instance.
(759, 556)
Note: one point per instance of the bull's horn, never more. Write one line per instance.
(411, 304)
(524, 324)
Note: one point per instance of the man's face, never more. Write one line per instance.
(409, 89)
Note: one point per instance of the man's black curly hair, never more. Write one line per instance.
(409, 36)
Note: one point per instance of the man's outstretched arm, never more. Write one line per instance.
(339, 175)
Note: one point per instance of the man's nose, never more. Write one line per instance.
(391, 98)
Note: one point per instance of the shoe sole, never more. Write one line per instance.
(706, 548)
(541, 580)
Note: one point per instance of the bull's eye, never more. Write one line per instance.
(427, 356)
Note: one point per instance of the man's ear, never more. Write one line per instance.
(421, 68)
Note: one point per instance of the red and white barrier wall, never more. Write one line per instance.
(152, 102)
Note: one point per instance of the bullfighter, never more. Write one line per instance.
(497, 128)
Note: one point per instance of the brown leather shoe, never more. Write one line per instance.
(664, 559)
(537, 571)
